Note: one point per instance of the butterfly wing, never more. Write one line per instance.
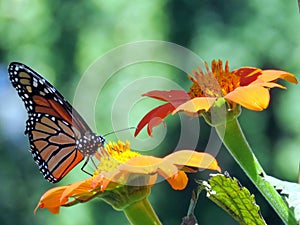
(53, 146)
(53, 126)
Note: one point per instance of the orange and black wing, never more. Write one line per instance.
(53, 126)
(53, 145)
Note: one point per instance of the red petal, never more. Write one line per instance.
(247, 75)
(154, 118)
(169, 96)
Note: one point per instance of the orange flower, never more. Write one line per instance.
(247, 87)
(129, 175)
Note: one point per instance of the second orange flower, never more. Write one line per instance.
(247, 87)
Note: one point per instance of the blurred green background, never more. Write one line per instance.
(60, 39)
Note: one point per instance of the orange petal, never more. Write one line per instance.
(169, 96)
(178, 181)
(167, 169)
(51, 200)
(80, 187)
(154, 118)
(141, 165)
(111, 177)
(196, 104)
(105, 184)
(272, 75)
(193, 159)
(261, 83)
(152, 179)
(272, 85)
(98, 181)
(253, 97)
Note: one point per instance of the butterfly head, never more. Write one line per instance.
(89, 143)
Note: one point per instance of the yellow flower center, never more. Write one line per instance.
(214, 83)
(119, 153)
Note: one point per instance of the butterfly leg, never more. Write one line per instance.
(83, 166)
(94, 163)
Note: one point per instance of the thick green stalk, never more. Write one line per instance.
(239, 148)
(141, 213)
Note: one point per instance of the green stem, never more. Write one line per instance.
(141, 213)
(239, 148)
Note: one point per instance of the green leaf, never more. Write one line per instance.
(233, 198)
(290, 190)
(236, 143)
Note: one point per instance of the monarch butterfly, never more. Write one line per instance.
(59, 138)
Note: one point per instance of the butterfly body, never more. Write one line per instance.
(59, 137)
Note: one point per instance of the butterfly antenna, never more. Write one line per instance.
(117, 131)
(113, 132)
